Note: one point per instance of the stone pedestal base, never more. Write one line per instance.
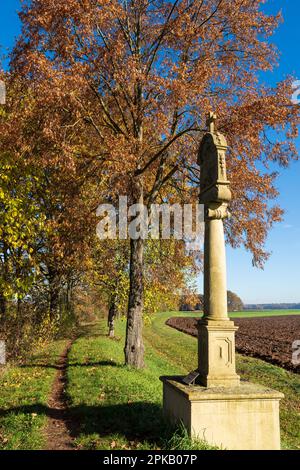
(216, 353)
(234, 418)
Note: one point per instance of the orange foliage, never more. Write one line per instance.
(125, 86)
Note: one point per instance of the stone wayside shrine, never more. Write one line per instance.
(212, 402)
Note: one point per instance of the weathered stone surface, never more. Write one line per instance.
(218, 408)
(2, 353)
(216, 354)
(245, 417)
(216, 332)
(214, 186)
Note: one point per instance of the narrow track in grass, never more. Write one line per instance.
(61, 427)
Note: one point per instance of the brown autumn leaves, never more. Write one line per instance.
(109, 97)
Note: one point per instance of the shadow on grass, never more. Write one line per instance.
(96, 364)
(73, 364)
(137, 421)
(140, 420)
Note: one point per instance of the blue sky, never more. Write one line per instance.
(280, 280)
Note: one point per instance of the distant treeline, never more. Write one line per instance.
(191, 302)
(272, 307)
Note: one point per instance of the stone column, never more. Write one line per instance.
(216, 352)
(218, 408)
(215, 289)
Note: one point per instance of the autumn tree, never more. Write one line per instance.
(47, 208)
(22, 224)
(144, 74)
(169, 269)
(234, 302)
(22, 221)
(108, 273)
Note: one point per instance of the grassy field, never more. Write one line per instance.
(122, 408)
(119, 407)
(116, 407)
(264, 313)
(181, 349)
(247, 314)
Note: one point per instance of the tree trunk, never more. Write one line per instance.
(3, 310)
(3, 299)
(112, 314)
(70, 302)
(54, 303)
(18, 328)
(53, 295)
(134, 348)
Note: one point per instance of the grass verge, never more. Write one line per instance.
(119, 407)
(177, 348)
(23, 400)
(245, 313)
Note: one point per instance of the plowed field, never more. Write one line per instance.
(268, 338)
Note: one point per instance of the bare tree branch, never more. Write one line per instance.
(166, 146)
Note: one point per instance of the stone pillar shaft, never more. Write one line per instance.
(216, 333)
(215, 289)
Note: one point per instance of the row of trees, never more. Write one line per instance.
(53, 266)
(108, 99)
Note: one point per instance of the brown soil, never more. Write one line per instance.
(60, 427)
(268, 338)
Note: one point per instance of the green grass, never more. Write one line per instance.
(119, 407)
(177, 348)
(264, 313)
(23, 400)
(245, 314)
